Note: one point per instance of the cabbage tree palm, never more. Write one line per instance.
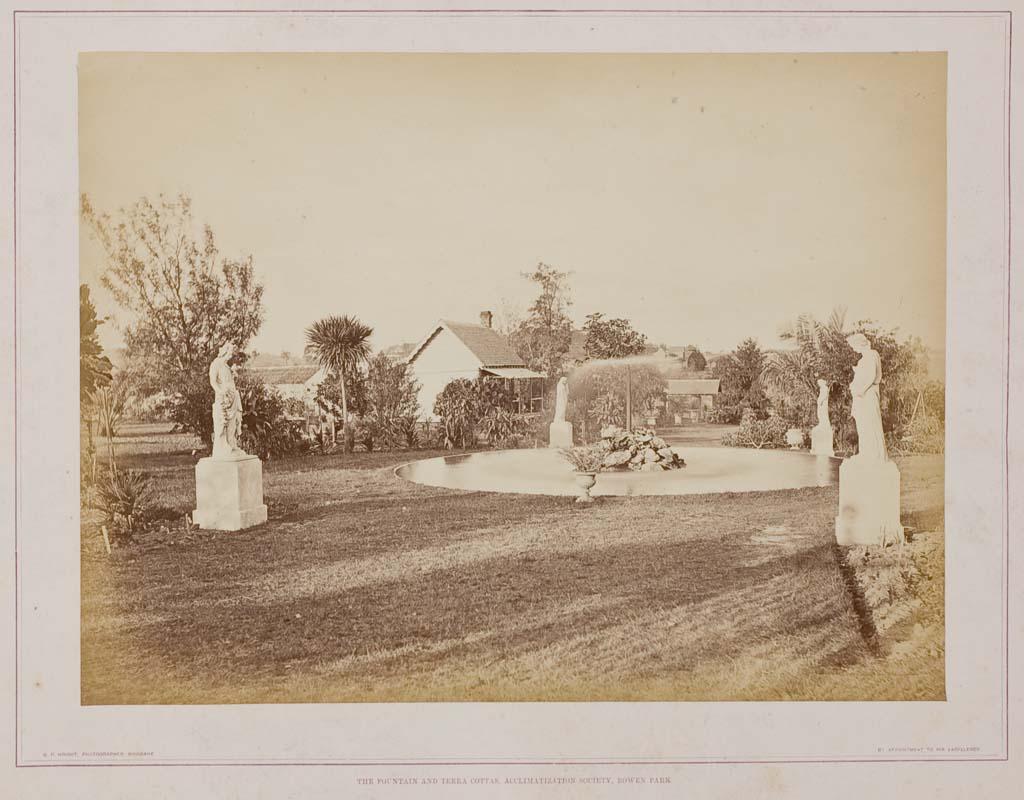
(340, 344)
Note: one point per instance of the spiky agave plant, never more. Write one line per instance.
(340, 344)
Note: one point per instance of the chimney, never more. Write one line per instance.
(485, 318)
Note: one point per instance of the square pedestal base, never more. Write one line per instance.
(869, 503)
(229, 494)
(560, 434)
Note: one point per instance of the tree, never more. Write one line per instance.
(820, 350)
(94, 367)
(612, 338)
(696, 361)
(542, 339)
(740, 385)
(94, 375)
(392, 404)
(340, 344)
(185, 302)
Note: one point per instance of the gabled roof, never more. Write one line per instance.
(278, 376)
(489, 346)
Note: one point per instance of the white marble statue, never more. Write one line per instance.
(561, 399)
(227, 406)
(865, 409)
(821, 434)
(560, 430)
(869, 483)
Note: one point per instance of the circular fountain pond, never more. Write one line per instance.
(708, 470)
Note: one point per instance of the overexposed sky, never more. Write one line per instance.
(705, 197)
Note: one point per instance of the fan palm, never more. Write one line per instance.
(820, 352)
(339, 344)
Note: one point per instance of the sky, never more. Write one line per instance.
(707, 198)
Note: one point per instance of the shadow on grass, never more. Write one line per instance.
(588, 612)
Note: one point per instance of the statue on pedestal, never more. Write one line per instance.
(227, 406)
(229, 483)
(821, 434)
(869, 483)
(560, 430)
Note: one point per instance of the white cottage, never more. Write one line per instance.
(299, 381)
(462, 350)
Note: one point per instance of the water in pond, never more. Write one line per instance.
(708, 470)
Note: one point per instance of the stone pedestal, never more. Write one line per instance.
(821, 440)
(229, 493)
(869, 503)
(560, 434)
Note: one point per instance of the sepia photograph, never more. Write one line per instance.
(512, 377)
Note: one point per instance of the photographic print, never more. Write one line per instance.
(435, 377)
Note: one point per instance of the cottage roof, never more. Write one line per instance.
(489, 346)
(693, 386)
(279, 376)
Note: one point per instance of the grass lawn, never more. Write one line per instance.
(365, 587)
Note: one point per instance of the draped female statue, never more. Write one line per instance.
(866, 410)
(227, 406)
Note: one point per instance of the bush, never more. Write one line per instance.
(392, 405)
(758, 433)
(266, 430)
(926, 434)
(458, 407)
(122, 496)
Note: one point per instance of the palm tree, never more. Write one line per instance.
(339, 344)
(820, 352)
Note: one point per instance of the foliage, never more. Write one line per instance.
(391, 406)
(328, 394)
(611, 338)
(542, 339)
(185, 301)
(586, 458)
(820, 350)
(926, 433)
(109, 402)
(266, 429)
(758, 433)
(696, 361)
(123, 496)
(340, 344)
(458, 408)
(740, 385)
(597, 394)
(94, 367)
(484, 406)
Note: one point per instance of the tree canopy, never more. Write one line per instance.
(184, 301)
(542, 339)
(611, 338)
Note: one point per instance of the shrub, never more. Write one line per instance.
(122, 496)
(587, 458)
(926, 434)
(485, 406)
(110, 404)
(392, 405)
(458, 407)
(266, 431)
(758, 433)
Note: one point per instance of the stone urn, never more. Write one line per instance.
(585, 481)
(794, 438)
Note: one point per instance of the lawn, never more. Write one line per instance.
(365, 587)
